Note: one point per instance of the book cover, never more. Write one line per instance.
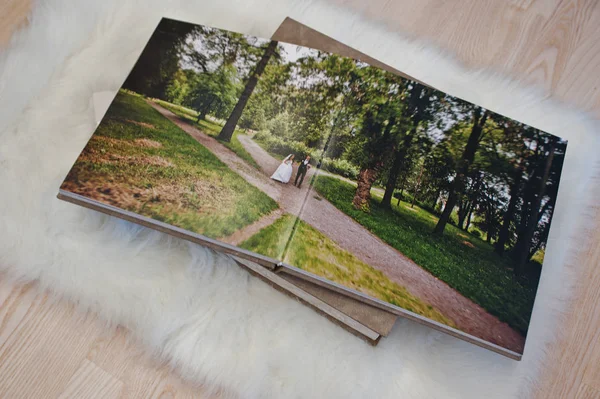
(333, 171)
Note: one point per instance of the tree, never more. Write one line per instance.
(439, 166)
(160, 58)
(419, 108)
(468, 156)
(508, 216)
(369, 109)
(214, 93)
(530, 221)
(211, 49)
(177, 89)
(489, 206)
(373, 144)
(375, 130)
(227, 131)
(470, 199)
(417, 186)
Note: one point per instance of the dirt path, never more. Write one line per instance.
(354, 238)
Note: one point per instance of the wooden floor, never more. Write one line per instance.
(552, 44)
(47, 351)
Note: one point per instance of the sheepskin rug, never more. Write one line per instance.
(213, 322)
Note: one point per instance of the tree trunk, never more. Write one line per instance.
(489, 221)
(468, 219)
(203, 112)
(362, 197)
(412, 205)
(457, 187)
(523, 246)
(401, 194)
(450, 203)
(507, 219)
(397, 164)
(463, 209)
(390, 186)
(464, 212)
(230, 125)
(436, 199)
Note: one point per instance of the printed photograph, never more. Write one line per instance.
(378, 183)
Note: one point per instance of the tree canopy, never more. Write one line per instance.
(483, 172)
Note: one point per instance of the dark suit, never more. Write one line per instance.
(302, 169)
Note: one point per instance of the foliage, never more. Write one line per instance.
(178, 88)
(253, 118)
(284, 147)
(316, 253)
(214, 93)
(281, 126)
(340, 167)
(209, 49)
(160, 58)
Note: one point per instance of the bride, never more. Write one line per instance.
(284, 171)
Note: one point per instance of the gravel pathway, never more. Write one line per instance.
(354, 238)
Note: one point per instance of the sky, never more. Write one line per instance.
(292, 52)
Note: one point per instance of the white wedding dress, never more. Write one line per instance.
(284, 171)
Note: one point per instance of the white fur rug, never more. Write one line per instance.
(210, 319)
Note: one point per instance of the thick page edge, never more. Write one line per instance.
(110, 210)
(278, 267)
(330, 312)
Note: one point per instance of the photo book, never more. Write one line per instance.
(363, 192)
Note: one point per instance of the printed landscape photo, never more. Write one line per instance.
(375, 182)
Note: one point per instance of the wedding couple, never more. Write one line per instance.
(285, 170)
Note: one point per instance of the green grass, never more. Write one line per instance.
(463, 261)
(140, 161)
(316, 253)
(271, 240)
(211, 128)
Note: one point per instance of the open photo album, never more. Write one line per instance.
(334, 173)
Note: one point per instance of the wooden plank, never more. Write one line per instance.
(587, 392)
(575, 356)
(44, 347)
(591, 374)
(13, 15)
(58, 352)
(551, 44)
(90, 381)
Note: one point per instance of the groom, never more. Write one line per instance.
(302, 169)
